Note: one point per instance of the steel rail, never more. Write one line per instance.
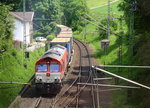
(77, 104)
(92, 88)
(90, 69)
(59, 97)
(89, 77)
(78, 92)
(80, 70)
(38, 102)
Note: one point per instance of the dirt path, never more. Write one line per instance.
(103, 5)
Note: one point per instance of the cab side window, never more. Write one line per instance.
(54, 67)
(42, 67)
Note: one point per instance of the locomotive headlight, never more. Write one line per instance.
(57, 80)
(39, 79)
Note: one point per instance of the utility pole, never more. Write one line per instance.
(84, 34)
(108, 20)
(131, 40)
(120, 43)
(65, 20)
(25, 53)
(24, 26)
(131, 32)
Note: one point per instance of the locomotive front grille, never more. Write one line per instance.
(42, 78)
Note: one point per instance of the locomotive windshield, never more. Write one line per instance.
(54, 67)
(42, 68)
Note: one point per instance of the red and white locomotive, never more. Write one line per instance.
(51, 67)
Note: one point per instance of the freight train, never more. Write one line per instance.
(51, 68)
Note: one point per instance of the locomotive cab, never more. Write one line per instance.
(48, 72)
(50, 69)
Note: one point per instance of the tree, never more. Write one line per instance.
(15, 4)
(102, 33)
(47, 14)
(139, 19)
(74, 10)
(6, 27)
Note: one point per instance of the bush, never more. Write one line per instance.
(50, 37)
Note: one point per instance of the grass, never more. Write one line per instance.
(104, 10)
(94, 39)
(95, 3)
(12, 69)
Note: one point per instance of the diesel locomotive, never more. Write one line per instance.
(51, 68)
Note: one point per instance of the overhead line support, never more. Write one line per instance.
(106, 85)
(122, 66)
(125, 79)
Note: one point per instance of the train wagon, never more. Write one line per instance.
(63, 28)
(66, 42)
(50, 69)
(65, 32)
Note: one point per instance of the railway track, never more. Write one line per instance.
(71, 95)
(89, 74)
(67, 93)
(84, 75)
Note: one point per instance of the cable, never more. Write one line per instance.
(10, 87)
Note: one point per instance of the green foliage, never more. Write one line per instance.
(12, 70)
(50, 37)
(96, 3)
(6, 28)
(104, 22)
(138, 37)
(74, 10)
(11, 61)
(15, 4)
(142, 48)
(139, 98)
(48, 12)
(104, 9)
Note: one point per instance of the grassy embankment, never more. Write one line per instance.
(111, 55)
(94, 39)
(12, 70)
